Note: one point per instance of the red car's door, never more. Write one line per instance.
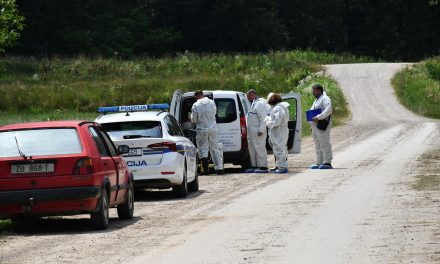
(120, 164)
(108, 166)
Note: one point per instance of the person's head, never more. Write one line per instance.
(273, 99)
(198, 94)
(251, 95)
(317, 90)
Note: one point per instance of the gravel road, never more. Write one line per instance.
(363, 211)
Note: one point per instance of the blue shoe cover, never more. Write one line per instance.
(325, 167)
(250, 170)
(261, 171)
(314, 166)
(281, 170)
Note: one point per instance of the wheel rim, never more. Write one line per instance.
(130, 198)
(105, 207)
(185, 181)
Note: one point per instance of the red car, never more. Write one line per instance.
(63, 168)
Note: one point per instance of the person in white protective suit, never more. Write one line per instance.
(257, 133)
(203, 115)
(278, 131)
(321, 126)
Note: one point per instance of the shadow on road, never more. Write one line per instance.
(154, 195)
(64, 225)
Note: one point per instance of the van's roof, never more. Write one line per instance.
(132, 116)
(216, 92)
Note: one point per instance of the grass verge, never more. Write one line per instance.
(418, 88)
(428, 178)
(5, 227)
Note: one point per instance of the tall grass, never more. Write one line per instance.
(418, 87)
(43, 89)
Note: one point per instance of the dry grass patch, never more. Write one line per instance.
(428, 176)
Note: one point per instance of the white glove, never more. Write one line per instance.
(267, 118)
(269, 124)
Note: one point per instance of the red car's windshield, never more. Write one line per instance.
(35, 142)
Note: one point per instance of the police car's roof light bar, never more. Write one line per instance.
(133, 108)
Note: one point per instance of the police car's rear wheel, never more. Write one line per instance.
(182, 189)
(194, 185)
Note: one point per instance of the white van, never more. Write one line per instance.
(232, 108)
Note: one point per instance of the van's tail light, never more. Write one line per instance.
(83, 166)
(170, 146)
(243, 127)
(243, 132)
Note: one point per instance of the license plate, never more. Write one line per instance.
(133, 152)
(32, 168)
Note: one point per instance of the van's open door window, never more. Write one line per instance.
(175, 104)
(295, 122)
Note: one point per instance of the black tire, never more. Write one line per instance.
(126, 210)
(100, 218)
(194, 185)
(24, 222)
(246, 163)
(182, 189)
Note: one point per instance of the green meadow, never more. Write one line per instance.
(34, 89)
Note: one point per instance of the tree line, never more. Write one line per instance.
(386, 29)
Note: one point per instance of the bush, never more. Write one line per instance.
(418, 88)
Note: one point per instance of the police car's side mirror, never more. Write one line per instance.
(122, 149)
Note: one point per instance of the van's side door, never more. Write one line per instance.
(295, 122)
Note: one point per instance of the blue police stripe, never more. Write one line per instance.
(132, 108)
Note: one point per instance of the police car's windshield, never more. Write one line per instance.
(133, 129)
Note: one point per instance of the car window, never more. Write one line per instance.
(108, 141)
(176, 127)
(100, 144)
(172, 127)
(34, 142)
(226, 110)
(133, 129)
(244, 106)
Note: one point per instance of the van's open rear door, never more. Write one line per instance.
(176, 103)
(295, 122)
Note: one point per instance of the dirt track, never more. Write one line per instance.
(364, 211)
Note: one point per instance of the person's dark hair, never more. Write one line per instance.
(198, 93)
(319, 87)
(274, 99)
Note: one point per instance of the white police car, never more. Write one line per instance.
(160, 155)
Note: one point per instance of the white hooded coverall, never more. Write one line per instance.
(255, 123)
(322, 137)
(279, 132)
(203, 115)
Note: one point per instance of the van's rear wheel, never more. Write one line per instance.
(246, 163)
